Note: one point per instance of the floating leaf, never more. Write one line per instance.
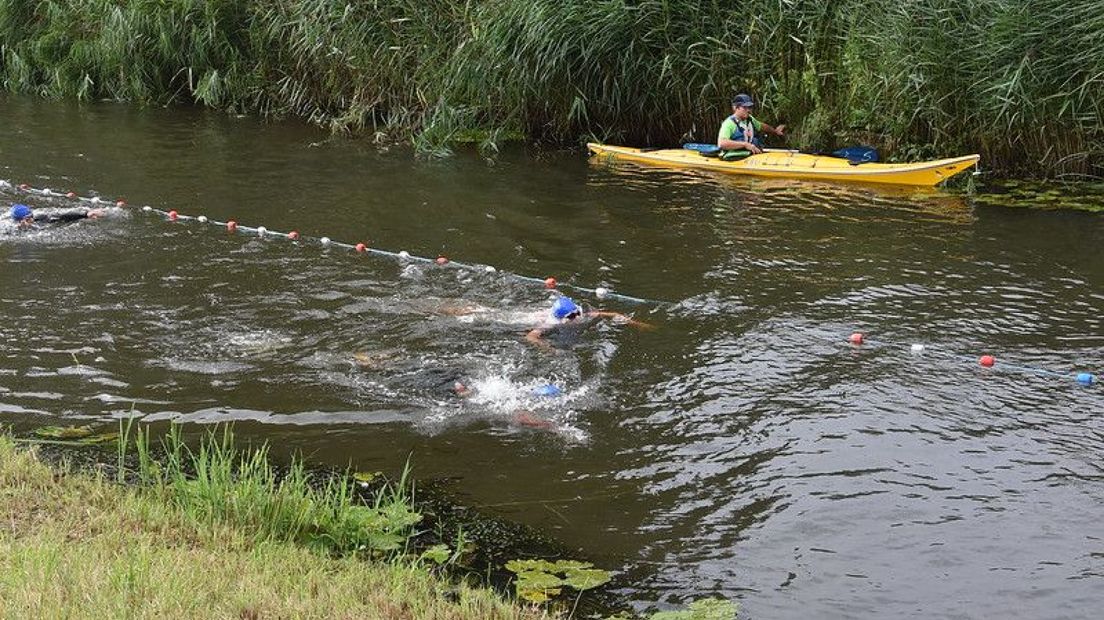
(520, 566)
(537, 580)
(565, 565)
(586, 578)
(705, 609)
(98, 439)
(537, 586)
(64, 432)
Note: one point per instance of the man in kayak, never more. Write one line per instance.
(567, 320)
(739, 134)
(25, 218)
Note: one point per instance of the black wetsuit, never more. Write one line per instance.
(566, 335)
(61, 216)
(44, 218)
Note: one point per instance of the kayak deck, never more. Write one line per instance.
(795, 165)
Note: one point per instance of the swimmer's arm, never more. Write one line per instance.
(621, 318)
(536, 336)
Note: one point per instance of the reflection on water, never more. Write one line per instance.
(741, 449)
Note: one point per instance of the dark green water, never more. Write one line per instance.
(741, 449)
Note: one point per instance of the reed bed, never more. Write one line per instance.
(1020, 82)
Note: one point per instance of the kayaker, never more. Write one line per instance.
(25, 218)
(567, 320)
(738, 136)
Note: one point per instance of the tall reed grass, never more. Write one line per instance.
(217, 483)
(1020, 82)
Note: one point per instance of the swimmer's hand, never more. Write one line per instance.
(531, 420)
(95, 213)
(621, 318)
(536, 336)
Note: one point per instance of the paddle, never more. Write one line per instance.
(855, 155)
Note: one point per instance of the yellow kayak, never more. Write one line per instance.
(794, 165)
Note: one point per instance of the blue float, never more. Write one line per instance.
(1085, 378)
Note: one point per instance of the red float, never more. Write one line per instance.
(987, 361)
(856, 338)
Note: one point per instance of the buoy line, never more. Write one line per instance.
(858, 339)
(233, 226)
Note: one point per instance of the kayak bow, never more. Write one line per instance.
(795, 165)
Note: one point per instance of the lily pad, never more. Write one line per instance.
(586, 578)
(705, 609)
(538, 580)
(537, 586)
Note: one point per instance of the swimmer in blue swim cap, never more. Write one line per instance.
(565, 312)
(26, 218)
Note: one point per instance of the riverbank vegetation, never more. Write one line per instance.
(1020, 82)
(219, 531)
(212, 545)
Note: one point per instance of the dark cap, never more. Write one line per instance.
(743, 101)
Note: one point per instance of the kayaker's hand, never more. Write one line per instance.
(780, 130)
(754, 149)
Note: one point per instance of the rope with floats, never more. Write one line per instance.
(858, 339)
(233, 226)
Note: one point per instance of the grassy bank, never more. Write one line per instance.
(206, 545)
(1020, 82)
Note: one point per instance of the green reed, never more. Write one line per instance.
(219, 483)
(1020, 82)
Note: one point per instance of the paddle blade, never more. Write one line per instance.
(701, 148)
(857, 154)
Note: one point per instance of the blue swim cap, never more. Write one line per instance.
(20, 212)
(547, 389)
(563, 307)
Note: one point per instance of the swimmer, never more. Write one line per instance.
(521, 417)
(26, 219)
(567, 315)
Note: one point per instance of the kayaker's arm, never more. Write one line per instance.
(737, 145)
(778, 131)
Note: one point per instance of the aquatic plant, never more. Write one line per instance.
(538, 581)
(76, 435)
(1020, 82)
(704, 609)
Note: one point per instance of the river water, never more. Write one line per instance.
(741, 448)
